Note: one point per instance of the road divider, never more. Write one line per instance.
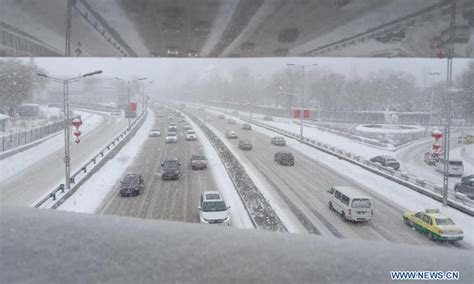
(261, 213)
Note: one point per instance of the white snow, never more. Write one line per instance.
(398, 194)
(17, 163)
(91, 194)
(238, 213)
(401, 196)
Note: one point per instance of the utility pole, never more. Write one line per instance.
(65, 83)
(67, 48)
(303, 69)
(450, 91)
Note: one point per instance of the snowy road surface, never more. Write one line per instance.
(302, 191)
(31, 174)
(175, 200)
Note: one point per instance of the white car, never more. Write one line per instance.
(154, 133)
(172, 127)
(231, 121)
(191, 135)
(212, 209)
(171, 138)
(231, 134)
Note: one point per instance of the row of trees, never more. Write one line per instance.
(17, 83)
(334, 91)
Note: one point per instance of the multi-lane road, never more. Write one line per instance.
(175, 200)
(39, 178)
(301, 191)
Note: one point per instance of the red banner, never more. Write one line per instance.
(133, 107)
(297, 113)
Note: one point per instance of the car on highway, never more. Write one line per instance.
(284, 158)
(245, 145)
(187, 126)
(455, 167)
(191, 135)
(154, 133)
(268, 118)
(352, 204)
(386, 161)
(231, 134)
(131, 185)
(198, 162)
(221, 116)
(171, 138)
(435, 225)
(200, 108)
(466, 186)
(171, 169)
(246, 126)
(231, 121)
(116, 112)
(212, 209)
(170, 117)
(182, 119)
(172, 127)
(430, 158)
(278, 141)
(235, 112)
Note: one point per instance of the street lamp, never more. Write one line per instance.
(65, 83)
(128, 94)
(303, 69)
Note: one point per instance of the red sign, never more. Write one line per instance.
(306, 113)
(437, 134)
(297, 113)
(133, 107)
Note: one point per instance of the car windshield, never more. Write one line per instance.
(360, 203)
(171, 134)
(170, 164)
(455, 163)
(191, 132)
(198, 157)
(213, 206)
(444, 221)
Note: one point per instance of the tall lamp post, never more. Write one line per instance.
(303, 69)
(129, 82)
(65, 83)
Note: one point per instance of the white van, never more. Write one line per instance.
(351, 204)
(455, 167)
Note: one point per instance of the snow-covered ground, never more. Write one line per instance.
(18, 162)
(91, 194)
(400, 195)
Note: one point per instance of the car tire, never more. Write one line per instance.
(343, 216)
(430, 236)
(330, 206)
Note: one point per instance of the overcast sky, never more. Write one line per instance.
(166, 71)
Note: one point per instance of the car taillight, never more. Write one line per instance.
(350, 211)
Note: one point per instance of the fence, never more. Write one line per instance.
(59, 195)
(17, 139)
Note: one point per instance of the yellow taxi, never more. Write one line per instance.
(434, 224)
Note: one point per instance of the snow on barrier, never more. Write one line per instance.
(261, 213)
(459, 202)
(59, 195)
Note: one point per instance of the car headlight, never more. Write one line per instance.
(176, 172)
